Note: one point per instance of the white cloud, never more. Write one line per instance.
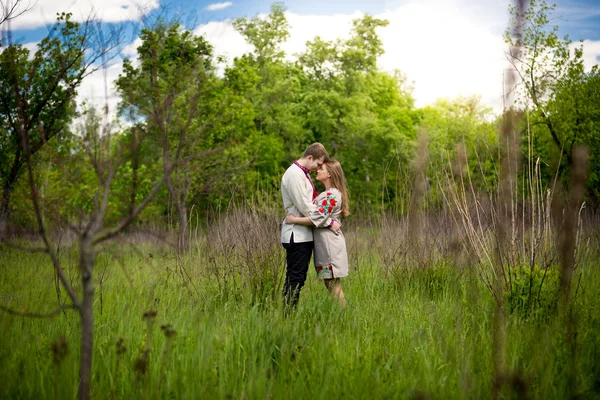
(32, 47)
(44, 12)
(98, 89)
(305, 28)
(591, 53)
(218, 6)
(130, 51)
(224, 38)
(445, 52)
(446, 49)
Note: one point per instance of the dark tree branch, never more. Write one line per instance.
(42, 229)
(109, 233)
(26, 249)
(10, 11)
(38, 315)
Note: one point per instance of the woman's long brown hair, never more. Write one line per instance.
(338, 181)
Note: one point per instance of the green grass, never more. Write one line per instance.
(425, 335)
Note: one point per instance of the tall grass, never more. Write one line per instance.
(424, 333)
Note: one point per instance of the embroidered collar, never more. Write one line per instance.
(304, 169)
(307, 173)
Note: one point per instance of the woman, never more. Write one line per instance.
(331, 259)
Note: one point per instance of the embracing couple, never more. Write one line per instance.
(313, 222)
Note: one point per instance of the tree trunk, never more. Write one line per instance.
(3, 220)
(86, 264)
(176, 196)
(4, 210)
(182, 237)
(7, 186)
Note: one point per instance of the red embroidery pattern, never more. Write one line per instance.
(327, 204)
(307, 173)
(324, 271)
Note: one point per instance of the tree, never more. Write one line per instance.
(364, 116)
(104, 159)
(543, 59)
(463, 122)
(273, 87)
(362, 49)
(266, 35)
(37, 94)
(554, 86)
(575, 109)
(169, 98)
(91, 165)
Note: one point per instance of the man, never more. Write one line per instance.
(298, 192)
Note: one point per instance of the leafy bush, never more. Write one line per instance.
(533, 292)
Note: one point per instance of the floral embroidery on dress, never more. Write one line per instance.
(327, 203)
(325, 271)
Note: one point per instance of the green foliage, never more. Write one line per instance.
(533, 292)
(68, 188)
(360, 52)
(237, 133)
(265, 110)
(273, 88)
(266, 35)
(37, 96)
(363, 116)
(462, 138)
(195, 120)
(173, 65)
(559, 97)
(576, 103)
(37, 90)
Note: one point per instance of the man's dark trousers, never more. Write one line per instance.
(297, 257)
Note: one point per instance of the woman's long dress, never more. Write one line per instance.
(331, 258)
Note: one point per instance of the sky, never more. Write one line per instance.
(446, 48)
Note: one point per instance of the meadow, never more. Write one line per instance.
(210, 323)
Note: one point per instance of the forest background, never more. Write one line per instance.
(258, 115)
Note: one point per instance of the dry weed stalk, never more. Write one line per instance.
(170, 334)
(401, 252)
(60, 350)
(419, 186)
(403, 244)
(143, 361)
(121, 350)
(469, 215)
(495, 249)
(244, 244)
(567, 244)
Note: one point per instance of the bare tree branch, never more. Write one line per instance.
(38, 315)
(112, 232)
(10, 11)
(41, 226)
(26, 249)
